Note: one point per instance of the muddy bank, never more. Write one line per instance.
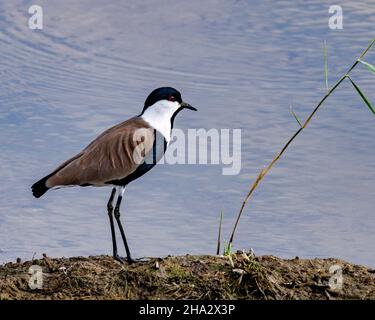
(188, 277)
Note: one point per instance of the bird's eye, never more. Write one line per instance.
(171, 98)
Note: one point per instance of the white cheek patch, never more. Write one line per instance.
(159, 116)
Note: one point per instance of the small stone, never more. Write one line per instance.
(63, 269)
(239, 271)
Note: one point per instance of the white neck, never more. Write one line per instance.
(159, 116)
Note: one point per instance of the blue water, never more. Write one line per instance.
(242, 64)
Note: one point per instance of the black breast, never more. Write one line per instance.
(158, 150)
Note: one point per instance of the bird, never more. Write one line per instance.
(120, 155)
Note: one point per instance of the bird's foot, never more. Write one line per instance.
(129, 260)
(118, 258)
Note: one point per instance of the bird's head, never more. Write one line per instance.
(166, 100)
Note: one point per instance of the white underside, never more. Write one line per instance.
(119, 189)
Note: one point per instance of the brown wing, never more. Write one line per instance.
(113, 155)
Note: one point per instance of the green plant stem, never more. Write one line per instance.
(264, 171)
(362, 95)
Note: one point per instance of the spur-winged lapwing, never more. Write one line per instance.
(121, 154)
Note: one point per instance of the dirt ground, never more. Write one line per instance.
(239, 276)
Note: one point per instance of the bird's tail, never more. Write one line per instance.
(39, 188)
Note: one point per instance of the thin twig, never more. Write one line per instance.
(219, 234)
(264, 171)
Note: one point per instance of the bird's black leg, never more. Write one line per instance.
(117, 216)
(110, 214)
